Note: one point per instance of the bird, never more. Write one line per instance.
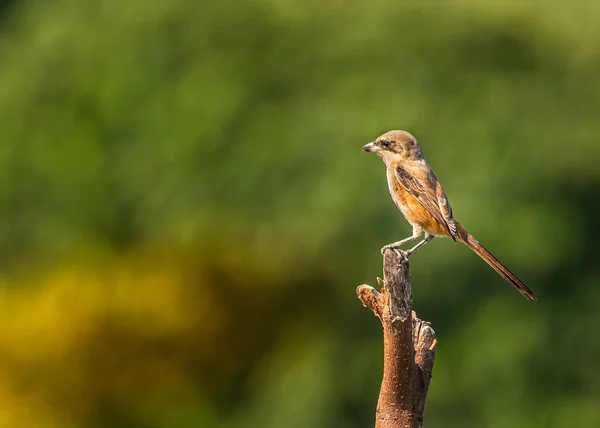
(420, 197)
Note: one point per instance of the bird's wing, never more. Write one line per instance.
(430, 194)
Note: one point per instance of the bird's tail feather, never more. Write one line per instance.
(496, 264)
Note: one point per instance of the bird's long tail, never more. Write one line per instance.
(496, 264)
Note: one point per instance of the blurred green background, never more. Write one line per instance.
(185, 210)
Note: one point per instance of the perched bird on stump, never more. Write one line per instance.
(419, 196)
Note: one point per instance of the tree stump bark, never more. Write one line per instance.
(408, 346)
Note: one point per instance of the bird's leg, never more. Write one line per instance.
(427, 238)
(395, 245)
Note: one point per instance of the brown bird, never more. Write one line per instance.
(419, 196)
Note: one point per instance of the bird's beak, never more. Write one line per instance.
(371, 147)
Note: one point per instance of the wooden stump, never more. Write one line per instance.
(408, 346)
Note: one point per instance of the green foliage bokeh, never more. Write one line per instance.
(185, 210)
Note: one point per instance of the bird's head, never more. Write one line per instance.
(395, 146)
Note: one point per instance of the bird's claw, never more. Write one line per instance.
(391, 247)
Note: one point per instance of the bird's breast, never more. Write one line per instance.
(412, 210)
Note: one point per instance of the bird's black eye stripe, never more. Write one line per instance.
(385, 143)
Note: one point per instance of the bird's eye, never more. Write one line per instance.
(385, 143)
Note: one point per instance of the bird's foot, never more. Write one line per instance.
(392, 247)
(396, 245)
